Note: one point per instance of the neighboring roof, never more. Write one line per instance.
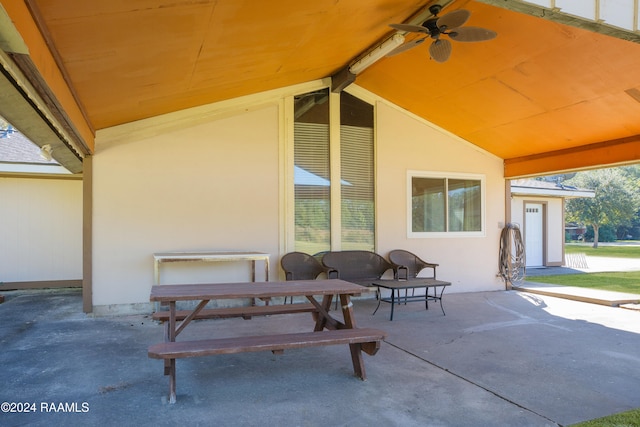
(304, 177)
(17, 148)
(19, 155)
(532, 187)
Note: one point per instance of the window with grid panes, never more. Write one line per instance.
(444, 206)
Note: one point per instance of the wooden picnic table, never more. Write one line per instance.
(327, 330)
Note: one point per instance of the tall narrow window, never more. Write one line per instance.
(357, 174)
(312, 180)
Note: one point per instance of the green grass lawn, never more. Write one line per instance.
(620, 282)
(604, 251)
(624, 419)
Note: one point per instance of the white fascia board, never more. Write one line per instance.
(551, 192)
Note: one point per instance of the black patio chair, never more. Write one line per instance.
(357, 266)
(407, 266)
(300, 266)
(361, 267)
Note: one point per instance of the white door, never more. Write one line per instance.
(533, 234)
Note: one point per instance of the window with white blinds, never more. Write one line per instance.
(312, 174)
(357, 173)
(312, 178)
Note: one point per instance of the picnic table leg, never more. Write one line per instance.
(171, 335)
(167, 364)
(321, 320)
(172, 381)
(356, 349)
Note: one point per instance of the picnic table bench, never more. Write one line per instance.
(275, 343)
(337, 332)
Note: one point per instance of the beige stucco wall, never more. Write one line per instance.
(213, 186)
(406, 143)
(554, 223)
(218, 185)
(40, 229)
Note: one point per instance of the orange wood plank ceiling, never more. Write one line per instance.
(539, 88)
(132, 60)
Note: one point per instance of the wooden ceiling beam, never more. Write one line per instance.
(599, 155)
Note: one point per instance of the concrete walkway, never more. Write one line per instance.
(593, 296)
(502, 358)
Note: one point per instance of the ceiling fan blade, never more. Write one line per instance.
(471, 34)
(440, 50)
(410, 28)
(405, 47)
(454, 19)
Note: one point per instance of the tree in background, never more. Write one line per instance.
(631, 230)
(616, 200)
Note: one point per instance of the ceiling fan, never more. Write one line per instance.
(450, 24)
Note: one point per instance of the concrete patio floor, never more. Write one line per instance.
(504, 358)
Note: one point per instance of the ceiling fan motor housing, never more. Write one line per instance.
(431, 24)
(450, 24)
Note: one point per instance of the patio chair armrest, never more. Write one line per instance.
(401, 272)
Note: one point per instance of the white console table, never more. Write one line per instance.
(163, 257)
